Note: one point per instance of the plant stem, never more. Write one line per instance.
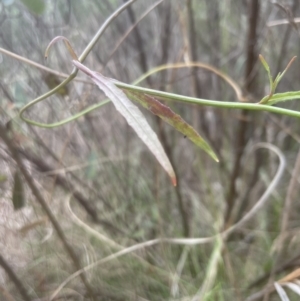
(101, 30)
(15, 279)
(36, 192)
(166, 96)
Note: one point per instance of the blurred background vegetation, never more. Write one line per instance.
(96, 169)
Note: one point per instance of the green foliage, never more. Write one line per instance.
(142, 205)
(18, 198)
(35, 6)
(275, 98)
(167, 115)
(133, 116)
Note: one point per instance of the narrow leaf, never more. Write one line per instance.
(287, 67)
(18, 192)
(133, 116)
(276, 82)
(274, 98)
(165, 113)
(266, 66)
(280, 97)
(264, 62)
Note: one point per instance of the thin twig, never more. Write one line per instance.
(15, 279)
(282, 22)
(290, 196)
(192, 241)
(127, 33)
(101, 30)
(36, 192)
(41, 67)
(81, 59)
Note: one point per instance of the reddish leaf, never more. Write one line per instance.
(165, 113)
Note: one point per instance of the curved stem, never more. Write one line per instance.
(130, 30)
(15, 279)
(81, 58)
(211, 103)
(44, 96)
(101, 30)
(42, 202)
(208, 67)
(193, 241)
(166, 96)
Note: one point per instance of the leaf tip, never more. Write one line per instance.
(264, 62)
(174, 181)
(213, 155)
(290, 63)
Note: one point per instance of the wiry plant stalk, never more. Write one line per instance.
(44, 205)
(15, 279)
(243, 123)
(290, 196)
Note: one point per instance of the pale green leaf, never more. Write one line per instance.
(266, 66)
(280, 97)
(133, 116)
(166, 114)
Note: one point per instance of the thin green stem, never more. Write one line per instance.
(169, 96)
(73, 74)
(211, 103)
(64, 121)
(101, 30)
(165, 95)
